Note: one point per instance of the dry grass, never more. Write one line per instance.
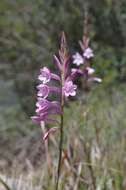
(94, 155)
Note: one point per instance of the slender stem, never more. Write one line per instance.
(60, 153)
(4, 184)
(90, 167)
(61, 136)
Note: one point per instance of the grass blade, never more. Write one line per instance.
(4, 184)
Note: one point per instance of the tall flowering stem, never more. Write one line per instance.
(46, 109)
(83, 60)
(64, 61)
(61, 141)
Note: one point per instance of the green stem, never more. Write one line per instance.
(60, 153)
(61, 136)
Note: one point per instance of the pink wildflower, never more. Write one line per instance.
(78, 59)
(88, 53)
(45, 75)
(69, 89)
(46, 109)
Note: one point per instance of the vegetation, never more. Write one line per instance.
(94, 149)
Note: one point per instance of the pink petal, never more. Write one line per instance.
(95, 79)
(90, 70)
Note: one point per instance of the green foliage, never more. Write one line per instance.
(101, 110)
(30, 31)
(29, 37)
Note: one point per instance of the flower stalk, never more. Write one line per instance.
(63, 56)
(61, 141)
(46, 109)
(83, 60)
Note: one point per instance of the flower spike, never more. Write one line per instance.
(46, 109)
(83, 60)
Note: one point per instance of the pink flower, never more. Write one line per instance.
(45, 75)
(88, 53)
(44, 106)
(44, 109)
(37, 119)
(43, 90)
(78, 59)
(47, 110)
(69, 89)
(90, 70)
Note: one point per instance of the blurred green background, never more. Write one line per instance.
(29, 33)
